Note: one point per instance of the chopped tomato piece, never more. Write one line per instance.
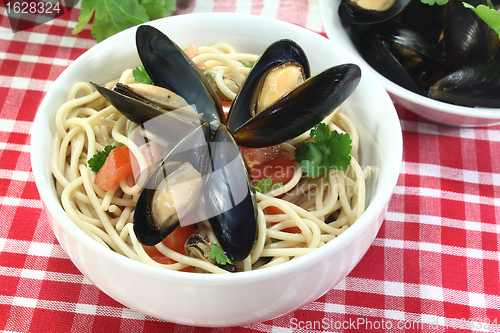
(152, 251)
(271, 210)
(116, 167)
(225, 107)
(179, 236)
(163, 260)
(175, 241)
(192, 51)
(292, 230)
(262, 155)
(279, 170)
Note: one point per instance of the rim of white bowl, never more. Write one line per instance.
(334, 28)
(54, 206)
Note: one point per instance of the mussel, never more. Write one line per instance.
(199, 248)
(466, 37)
(377, 53)
(436, 51)
(226, 198)
(417, 12)
(370, 11)
(474, 85)
(403, 56)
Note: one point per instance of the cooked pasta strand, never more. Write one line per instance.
(307, 212)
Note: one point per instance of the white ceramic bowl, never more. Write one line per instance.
(433, 110)
(241, 298)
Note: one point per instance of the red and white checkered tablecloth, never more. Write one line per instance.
(434, 266)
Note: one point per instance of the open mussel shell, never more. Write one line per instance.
(141, 112)
(193, 149)
(230, 202)
(135, 110)
(170, 126)
(353, 12)
(475, 85)
(300, 109)
(197, 247)
(281, 53)
(169, 67)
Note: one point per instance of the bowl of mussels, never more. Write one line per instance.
(439, 61)
(176, 165)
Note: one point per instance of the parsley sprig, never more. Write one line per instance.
(97, 161)
(141, 76)
(266, 184)
(487, 13)
(330, 150)
(113, 16)
(218, 254)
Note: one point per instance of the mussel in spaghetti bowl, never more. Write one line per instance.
(293, 185)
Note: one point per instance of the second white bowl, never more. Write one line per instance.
(433, 110)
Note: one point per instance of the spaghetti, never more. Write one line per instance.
(86, 123)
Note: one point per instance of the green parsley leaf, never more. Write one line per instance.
(330, 150)
(113, 16)
(218, 254)
(154, 8)
(266, 184)
(432, 2)
(141, 76)
(310, 159)
(97, 161)
(488, 15)
(169, 6)
(110, 16)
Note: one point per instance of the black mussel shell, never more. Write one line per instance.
(230, 202)
(169, 67)
(135, 110)
(350, 12)
(424, 19)
(140, 112)
(300, 109)
(422, 60)
(475, 85)
(277, 54)
(409, 39)
(193, 149)
(377, 54)
(466, 37)
(171, 126)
